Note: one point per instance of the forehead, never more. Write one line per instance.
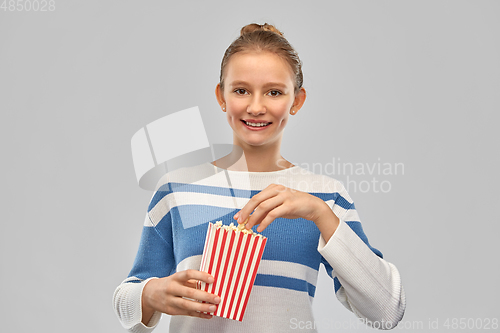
(258, 67)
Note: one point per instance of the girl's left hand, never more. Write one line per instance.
(280, 201)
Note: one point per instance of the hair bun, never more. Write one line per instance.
(259, 27)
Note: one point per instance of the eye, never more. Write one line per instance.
(240, 91)
(274, 93)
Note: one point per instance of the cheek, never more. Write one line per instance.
(283, 106)
(283, 122)
(235, 105)
(284, 112)
(231, 116)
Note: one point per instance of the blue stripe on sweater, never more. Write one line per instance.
(284, 282)
(358, 229)
(190, 215)
(169, 188)
(284, 245)
(335, 196)
(336, 284)
(284, 230)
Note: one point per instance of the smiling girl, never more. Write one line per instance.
(260, 88)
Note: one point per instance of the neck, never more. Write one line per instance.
(253, 159)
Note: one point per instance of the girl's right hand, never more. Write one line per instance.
(168, 295)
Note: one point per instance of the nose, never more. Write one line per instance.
(256, 106)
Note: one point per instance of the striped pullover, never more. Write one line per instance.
(174, 232)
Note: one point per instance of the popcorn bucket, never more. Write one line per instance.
(232, 256)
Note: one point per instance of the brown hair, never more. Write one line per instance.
(264, 37)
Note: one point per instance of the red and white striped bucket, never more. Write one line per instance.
(232, 257)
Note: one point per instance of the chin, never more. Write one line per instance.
(255, 144)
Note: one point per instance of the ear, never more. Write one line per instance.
(220, 97)
(300, 98)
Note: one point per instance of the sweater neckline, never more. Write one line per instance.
(263, 173)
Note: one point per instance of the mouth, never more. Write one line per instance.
(256, 124)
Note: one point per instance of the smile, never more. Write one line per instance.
(263, 124)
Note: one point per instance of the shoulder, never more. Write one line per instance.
(329, 189)
(315, 182)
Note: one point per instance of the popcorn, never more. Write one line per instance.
(240, 227)
(232, 256)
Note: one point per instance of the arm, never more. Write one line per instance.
(152, 288)
(153, 260)
(141, 299)
(365, 283)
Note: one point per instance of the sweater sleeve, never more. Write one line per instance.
(364, 282)
(154, 259)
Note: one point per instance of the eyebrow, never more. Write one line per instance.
(269, 84)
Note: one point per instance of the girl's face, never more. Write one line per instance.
(258, 97)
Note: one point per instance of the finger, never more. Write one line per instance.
(263, 209)
(254, 201)
(199, 295)
(271, 216)
(205, 313)
(191, 283)
(270, 191)
(193, 274)
(200, 315)
(190, 306)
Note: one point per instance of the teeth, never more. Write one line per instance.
(256, 124)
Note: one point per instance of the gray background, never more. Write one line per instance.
(412, 82)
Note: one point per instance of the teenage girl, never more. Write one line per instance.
(308, 219)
